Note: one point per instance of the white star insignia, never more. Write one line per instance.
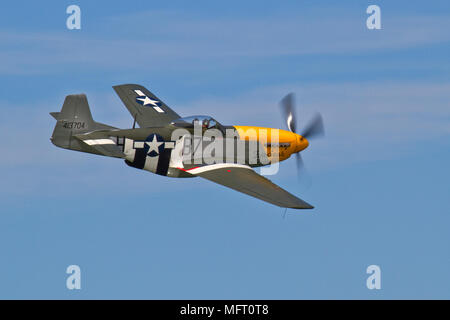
(154, 145)
(146, 100)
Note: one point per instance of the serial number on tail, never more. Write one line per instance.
(74, 125)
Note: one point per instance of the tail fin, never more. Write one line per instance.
(74, 118)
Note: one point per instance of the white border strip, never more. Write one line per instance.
(217, 166)
(98, 141)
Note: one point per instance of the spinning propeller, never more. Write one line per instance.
(313, 129)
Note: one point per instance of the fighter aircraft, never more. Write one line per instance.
(169, 145)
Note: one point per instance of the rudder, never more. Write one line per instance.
(74, 118)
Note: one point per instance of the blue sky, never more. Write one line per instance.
(379, 178)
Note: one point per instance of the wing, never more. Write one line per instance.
(242, 178)
(144, 106)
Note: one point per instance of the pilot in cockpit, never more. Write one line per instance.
(204, 123)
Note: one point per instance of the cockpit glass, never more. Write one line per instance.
(206, 122)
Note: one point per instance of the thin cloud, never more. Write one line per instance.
(189, 42)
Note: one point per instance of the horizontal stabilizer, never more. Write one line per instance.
(102, 143)
(55, 115)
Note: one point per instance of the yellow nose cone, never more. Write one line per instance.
(301, 143)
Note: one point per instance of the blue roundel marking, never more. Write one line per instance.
(154, 145)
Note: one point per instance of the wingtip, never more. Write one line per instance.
(302, 206)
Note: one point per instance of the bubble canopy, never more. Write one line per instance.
(206, 122)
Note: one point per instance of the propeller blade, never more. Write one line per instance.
(300, 162)
(304, 178)
(314, 128)
(287, 105)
